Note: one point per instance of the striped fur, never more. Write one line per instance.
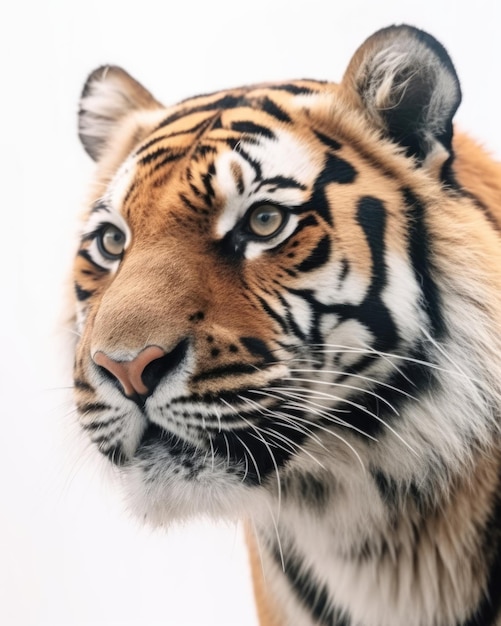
(319, 267)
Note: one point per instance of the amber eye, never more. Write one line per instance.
(266, 220)
(111, 242)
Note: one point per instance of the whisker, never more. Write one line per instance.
(244, 445)
(228, 456)
(344, 386)
(273, 433)
(295, 418)
(327, 412)
(322, 412)
(258, 473)
(360, 376)
(272, 456)
(279, 542)
(213, 454)
(333, 348)
(301, 403)
(443, 352)
(279, 415)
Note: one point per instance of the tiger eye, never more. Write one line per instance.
(266, 220)
(111, 241)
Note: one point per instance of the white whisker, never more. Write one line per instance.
(359, 376)
(294, 419)
(274, 433)
(343, 386)
(272, 456)
(279, 542)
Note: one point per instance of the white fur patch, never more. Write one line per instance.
(283, 156)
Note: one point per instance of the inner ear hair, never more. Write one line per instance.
(109, 95)
(408, 87)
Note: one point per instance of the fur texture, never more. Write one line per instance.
(318, 266)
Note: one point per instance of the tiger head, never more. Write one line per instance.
(259, 280)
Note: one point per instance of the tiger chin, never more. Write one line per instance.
(288, 302)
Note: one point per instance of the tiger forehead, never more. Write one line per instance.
(212, 157)
(205, 156)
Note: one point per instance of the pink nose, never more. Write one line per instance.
(129, 373)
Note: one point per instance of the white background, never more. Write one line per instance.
(69, 553)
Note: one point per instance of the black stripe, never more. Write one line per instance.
(295, 90)
(129, 197)
(115, 454)
(420, 252)
(317, 257)
(207, 182)
(152, 142)
(309, 220)
(278, 318)
(270, 450)
(482, 207)
(375, 411)
(394, 494)
(335, 170)
(387, 487)
(191, 206)
(313, 596)
(252, 128)
(274, 110)
(490, 606)
(257, 347)
(235, 369)
(170, 157)
(338, 170)
(235, 396)
(244, 447)
(188, 131)
(293, 326)
(96, 426)
(82, 294)
(345, 268)
(227, 101)
(81, 384)
(93, 406)
(281, 182)
(408, 375)
(167, 153)
(202, 150)
(331, 143)
(307, 491)
(252, 162)
(85, 255)
(100, 206)
(371, 216)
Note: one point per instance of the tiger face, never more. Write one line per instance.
(255, 289)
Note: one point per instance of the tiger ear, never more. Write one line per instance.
(109, 95)
(408, 86)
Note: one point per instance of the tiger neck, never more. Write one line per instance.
(381, 529)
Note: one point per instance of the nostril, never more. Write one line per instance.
(157, 369)
(139, 377)
(129, 373)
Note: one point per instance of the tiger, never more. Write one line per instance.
(288, 309)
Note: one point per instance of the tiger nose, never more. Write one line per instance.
(130, 373)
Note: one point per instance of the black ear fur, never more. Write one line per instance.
(409, 87)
